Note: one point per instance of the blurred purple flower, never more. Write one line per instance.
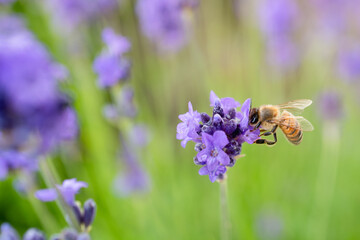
(33, 234)
(75, 12)
(26, 69)
(269, 226)
(11, 160)
(349, 65)
(110, 65)
(278, 17)
(330, 105)
(68, 190)
(139, 135)
(162, 22)
(133, 179)
(6, 1)
(187, 130)
(71, 234)
(8, 232)
(116, 44)
(282, 53)
(278, 22)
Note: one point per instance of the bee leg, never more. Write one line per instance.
(263, 141)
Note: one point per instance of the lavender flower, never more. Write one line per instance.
(12, 160)
(218, 138)
(187, 130)
(68, 190)
(162, 22)
(75, 12)
(6, 1)
(330, 106)
(133, 179)
(278, 22)
(349, 65)
(23, 110)
(9, 233)
(110, 65)
(71, 234)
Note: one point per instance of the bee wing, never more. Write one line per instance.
(296, 106)
(304, 124)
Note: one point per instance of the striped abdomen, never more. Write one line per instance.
(291, 128)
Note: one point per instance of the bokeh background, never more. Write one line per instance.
(271, 51)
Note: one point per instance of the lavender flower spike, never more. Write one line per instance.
(187, 130)
(218, 137)
(68, 190)
(110, 65)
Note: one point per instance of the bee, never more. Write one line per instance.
(269, 117)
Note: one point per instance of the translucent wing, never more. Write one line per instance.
(305, 124)
(296, 106)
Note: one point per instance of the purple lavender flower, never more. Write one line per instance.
(278, 17)
(68, 190)
(162, 22)
(187, 130)
(75, 12)
(349, 65)
(9, 233)
(218, 138)
(225, 103)
(34, 234)
(133, 179)
(11, 160)
(22, 109)
(278, 22)
(71, 234)
(110, 65)
(330, 106)
(6, 1)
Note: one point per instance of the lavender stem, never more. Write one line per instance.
(224, 210)
(51, 178)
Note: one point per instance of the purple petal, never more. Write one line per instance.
(223, 158)
(207, 139)
(204, 170)
(213, 98)
(212, 163)
(202, 156)
(191, 111)
(220, 139)
(46, 195)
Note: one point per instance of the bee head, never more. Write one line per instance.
(254, 116)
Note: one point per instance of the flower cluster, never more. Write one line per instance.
(218, 137)
(9, 233)
(34, 114)
(68, 189)
(75, 12)
(163, 22)
(278, 20)
(110, 65)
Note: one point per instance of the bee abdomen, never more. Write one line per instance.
(292, 130)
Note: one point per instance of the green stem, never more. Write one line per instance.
(51, 178)
(224, 210)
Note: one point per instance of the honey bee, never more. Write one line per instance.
(269, 117)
